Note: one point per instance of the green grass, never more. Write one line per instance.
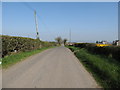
(17, 57)
(106, 71)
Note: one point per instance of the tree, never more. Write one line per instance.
(97, 41)
(64, 41)
(59, 40)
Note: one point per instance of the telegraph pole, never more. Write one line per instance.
(119, 23)
(70, 36)
(37, 36)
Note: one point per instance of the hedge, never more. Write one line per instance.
(12, 44)
(108, 51)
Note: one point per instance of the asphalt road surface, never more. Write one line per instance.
(52, 68)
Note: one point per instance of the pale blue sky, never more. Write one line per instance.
(88, 21)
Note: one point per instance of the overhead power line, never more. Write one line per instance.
(36, 22)
(28, 6)
(43, 22)
(37, 36)
(70, 36)
(32, 9)
(37, 15)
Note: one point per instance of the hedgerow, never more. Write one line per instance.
(12, 44)
(108, 51)
(105, 70)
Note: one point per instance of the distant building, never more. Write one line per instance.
(71, 43)
(116, 42)
(102, 42)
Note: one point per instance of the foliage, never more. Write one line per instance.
(105, 70)
(47, 44)
(107, 51)
(64, 41)
(59, 40)
(11, 44)
(14, 58)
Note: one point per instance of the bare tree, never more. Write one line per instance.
(59, 40)
(64, 41)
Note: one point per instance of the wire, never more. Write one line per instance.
(32, 9)
(42, 21)
(28, 6)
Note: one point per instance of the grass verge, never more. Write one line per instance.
(106, 71)
(17, 57)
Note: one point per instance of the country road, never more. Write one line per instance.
(52, 68)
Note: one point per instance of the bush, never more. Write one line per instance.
(81, 45)
(108, 51)
(16, 44)
(47, 44)
(106, 71)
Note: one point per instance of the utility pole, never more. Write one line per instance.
(37, 36)
(119, 21)
(70, 36)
